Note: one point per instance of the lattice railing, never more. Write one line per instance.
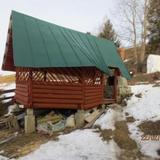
(89, 75)
(22, 75)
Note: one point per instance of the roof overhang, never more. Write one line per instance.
(8, 62)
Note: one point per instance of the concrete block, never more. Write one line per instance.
(70, 122)
(79, 118)
(29, 111)
(29, 122)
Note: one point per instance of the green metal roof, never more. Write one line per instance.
(40, 44)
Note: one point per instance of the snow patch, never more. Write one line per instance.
(143, 109)
(107, 120)
(147, 107)
(149, 147)
(3, 158)
(78, 145)
(153, 63)
(5, 86)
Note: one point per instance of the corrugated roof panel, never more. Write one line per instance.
(40, 44)
(21, 46)
(39, 50)
(53, 51)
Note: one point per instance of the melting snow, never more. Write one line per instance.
(78, 145)
(147, 107)
(87, 144)
(107, 120)
(142, 109)
(3, 158)
(6, 86)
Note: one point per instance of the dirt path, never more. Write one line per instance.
(121, 135)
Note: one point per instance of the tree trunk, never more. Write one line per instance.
(141, 58)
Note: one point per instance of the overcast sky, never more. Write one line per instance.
(81, 15)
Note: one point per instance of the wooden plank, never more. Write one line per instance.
(4, 98)
(55, 105)
(94, 119)
(58, 96)
(109, 101)
(94, 97)
(58, 101)
(22, 93)
(57, 83)
(56, 91)
(92, 105)
(94, 93)
(21, 89)
(92, 116)
(30, 100)
(22, 85)
(93, 87)
(21, 102)
(93, 100)
(60, 87)
(22, 98)
(7, 91)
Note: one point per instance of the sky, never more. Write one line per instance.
(81, 15)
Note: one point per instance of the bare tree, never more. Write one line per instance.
(143, 20)
(133, 15)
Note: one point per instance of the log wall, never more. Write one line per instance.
(21, 93)
(78, 89)
(93, 96)
(56, 96)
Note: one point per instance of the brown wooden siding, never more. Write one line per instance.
(57, 96)
(93, 96)
(21, 93)
(34, 88)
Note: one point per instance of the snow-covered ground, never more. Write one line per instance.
(143, 109)
(87, 144)
(6, 73)
(5, 86)
(147, 107)
(3, 158)
(107, 120)
(78, 145)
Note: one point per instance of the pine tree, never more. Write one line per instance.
(154, 27)
(109, 33)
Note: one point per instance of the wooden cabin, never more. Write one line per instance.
(58, 67)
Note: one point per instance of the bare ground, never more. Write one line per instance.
(23, 143)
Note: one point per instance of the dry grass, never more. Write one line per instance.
(150, 128)
(130, 119)
(121, 136)
(7, 79)
(23, 144)
(145, 78)
(106, 134)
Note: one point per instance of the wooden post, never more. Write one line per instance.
(103, 84)
(83, 88)
(115, 95)
(45, 72)
(30, 89)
